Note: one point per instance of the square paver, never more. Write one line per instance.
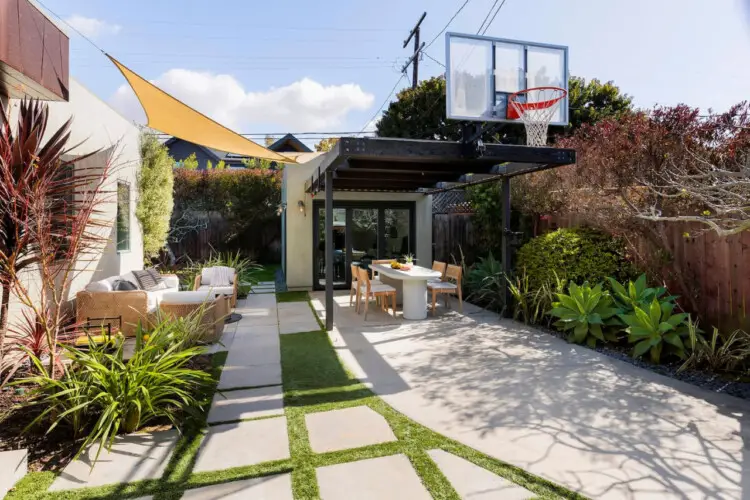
(292, 309)
(277, 487)
(133, 458)
(472, 481)
(347, 428)
(246, 403)
(243, 443)
(245, 353)
(13, 466)
(234, 376)
(298, 326)
(251, 330)
(267, 283)
(390, 477)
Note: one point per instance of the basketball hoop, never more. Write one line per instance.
(536, 111)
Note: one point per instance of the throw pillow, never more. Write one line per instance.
(123, 286)
(146, 279)
(156, 275)
(99, 286)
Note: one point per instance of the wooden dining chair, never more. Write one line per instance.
(439, 267)
(371, 291)
(375, 274)
(450, 285)
(354, 290)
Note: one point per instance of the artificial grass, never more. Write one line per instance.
(314, 380)
(265, 273)
(301, 296)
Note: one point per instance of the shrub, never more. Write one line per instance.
(575, 254)
(532, 305)
(636, 293)
(155, 198)
(102, 394)
(485, 283)
(718, 354)
(585, 313)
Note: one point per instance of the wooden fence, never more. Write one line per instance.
(452, 234)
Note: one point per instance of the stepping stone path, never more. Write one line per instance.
(132, 458)
(247, 403)
(390, 477)
(472, 481)
(348, 428)
(263, 287)
(296, 317)
(278, 487)
(13, 466)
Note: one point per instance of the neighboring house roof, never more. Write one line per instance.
(289, 143)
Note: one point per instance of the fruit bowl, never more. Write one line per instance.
(406, 267)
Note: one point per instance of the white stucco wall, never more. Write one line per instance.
(299, 230)
(98, 127)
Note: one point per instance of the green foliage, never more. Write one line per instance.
(532, 305)
(209, 165)
(184, 332)
(593, 101)
(652, 326)
(486, 203)
(100, 394)
(585, 312)
(718, 354)
(485, 283)
(260, 164)
(245, 199)
(637, 293)
(190, 163)
(155, 199)
(326, 144)
(575, 254)
(244, 267)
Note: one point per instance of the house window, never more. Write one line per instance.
(123, 216)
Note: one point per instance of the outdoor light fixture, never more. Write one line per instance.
(301, 206)
(280, 209)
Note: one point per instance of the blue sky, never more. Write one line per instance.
(327, 66)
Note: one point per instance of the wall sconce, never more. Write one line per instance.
(302, 208)
(280, 209)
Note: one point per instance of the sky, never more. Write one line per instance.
(301, 66)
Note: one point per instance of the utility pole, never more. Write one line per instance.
(414, 59)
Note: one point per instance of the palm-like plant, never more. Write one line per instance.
(651, 327)
(50, 217)
(636, 293)
(585, 312)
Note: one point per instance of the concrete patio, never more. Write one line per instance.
(594, 424)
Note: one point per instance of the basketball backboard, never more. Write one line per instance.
(482, 72)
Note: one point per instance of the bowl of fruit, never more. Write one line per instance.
(395, 264)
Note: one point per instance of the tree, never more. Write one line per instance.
(593, 101)
(261, 164)
(190, 163)
(269, 140)
(221, 165)
(155, 198)
(209, 165)
(326, 144)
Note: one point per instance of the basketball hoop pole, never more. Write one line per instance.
(472, 145)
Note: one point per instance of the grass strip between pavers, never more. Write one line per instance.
(314, 380)
(292, 296)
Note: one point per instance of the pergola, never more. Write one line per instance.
(407, 165)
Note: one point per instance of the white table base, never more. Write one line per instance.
(415, 299)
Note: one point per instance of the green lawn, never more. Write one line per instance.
(314, 379)
(265, 273)
(292, 296)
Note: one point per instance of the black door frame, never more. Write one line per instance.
(349, 204)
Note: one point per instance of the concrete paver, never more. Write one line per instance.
(235, 376)
(596, 425)
(246, 403)
(474, 482)
(254, 352)
(13, 466)
(277, 487)
(347, 428)
(298, 326)
(390, 477)
(243, 443)
(132, 458)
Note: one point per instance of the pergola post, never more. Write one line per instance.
(329, 249)
(506, 245)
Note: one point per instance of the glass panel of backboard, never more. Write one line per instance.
(470, 73)
(482, 73)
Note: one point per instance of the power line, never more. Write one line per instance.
(448, 24)
(487, 16)
(71, 27)
(387, 99)
(493, 17)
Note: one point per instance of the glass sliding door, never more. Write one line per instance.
(362, 232)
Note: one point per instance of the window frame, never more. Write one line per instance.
(127, 186)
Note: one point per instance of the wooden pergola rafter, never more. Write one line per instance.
(408, 166)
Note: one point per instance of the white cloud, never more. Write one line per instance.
(302, 105)
(92, 27)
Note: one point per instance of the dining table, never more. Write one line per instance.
(414, 283)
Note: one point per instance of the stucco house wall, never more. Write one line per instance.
(298, 227)
(98, 127)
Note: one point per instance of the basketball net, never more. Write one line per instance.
(539, 106)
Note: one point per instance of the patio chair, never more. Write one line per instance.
(439, 267)
(371, 291)
(376, 276)
(452, 273)
(354, 289)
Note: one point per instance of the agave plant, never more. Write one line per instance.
(586, 313)
(653, 326)
(485, 283)
(636, 293)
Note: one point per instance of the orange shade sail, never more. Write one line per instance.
(171, 116)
